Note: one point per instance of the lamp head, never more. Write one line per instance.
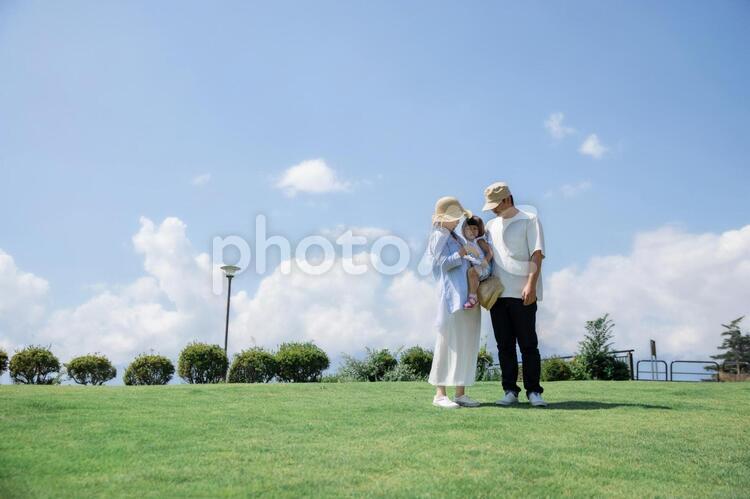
(230, 270)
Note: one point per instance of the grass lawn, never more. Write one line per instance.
(379, 439)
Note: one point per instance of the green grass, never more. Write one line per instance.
(378, 439)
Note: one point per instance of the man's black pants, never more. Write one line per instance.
(514, 322)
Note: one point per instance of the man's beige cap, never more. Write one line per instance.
(494, 195)
(449, 209)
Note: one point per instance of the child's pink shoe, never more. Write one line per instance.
(471, 302)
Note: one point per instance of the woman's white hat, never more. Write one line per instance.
(449, 209)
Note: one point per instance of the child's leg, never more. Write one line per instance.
(473, 276)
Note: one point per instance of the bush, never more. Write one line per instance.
(372, 368)
(201, 363)
(402, 372)
(149, 370)
(418, 360)
(555, 369)
(254, 365)
(352, 369)
(578, 370)
(301, 362)
(333, 378)
(90, 369)
(381, 361)
(35, 365)
(484, 362)
(3, 361)
(617, 370)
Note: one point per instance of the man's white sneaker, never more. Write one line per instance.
(509, 399)
(536, 400)
(465, 401)
(444, 402)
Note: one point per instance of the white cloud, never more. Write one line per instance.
(369, 233)
(591, 146)
(23, 298)
(163, 310)
(201, 179)
(555, 127)
(674, 287)
(313, 177)
(569, 191)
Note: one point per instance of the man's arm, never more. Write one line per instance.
(535, 266)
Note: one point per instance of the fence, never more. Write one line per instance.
(667, 374)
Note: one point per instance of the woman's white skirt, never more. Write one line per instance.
(454, 362)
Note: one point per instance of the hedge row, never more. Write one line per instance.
(198, 363)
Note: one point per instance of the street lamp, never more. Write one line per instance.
(229, 271)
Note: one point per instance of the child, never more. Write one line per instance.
(479, 254)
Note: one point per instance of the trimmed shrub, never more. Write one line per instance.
(301, 362)
(3, 361)
(200, 363)
(91, 369)
(484, 362)
(254, 365)
(149, 370)
(555, 369)
(418, 360)
(35, 365)
(402, 372)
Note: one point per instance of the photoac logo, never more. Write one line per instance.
(356, 253)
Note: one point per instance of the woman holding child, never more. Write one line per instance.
(458, 264)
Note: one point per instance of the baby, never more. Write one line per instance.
(479, 254)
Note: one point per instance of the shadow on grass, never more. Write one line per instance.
(578, 406)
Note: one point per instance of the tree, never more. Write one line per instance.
(596, 348)
(736, 346)
(35, 365)
(3, 361)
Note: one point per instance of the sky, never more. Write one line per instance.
(134, 133)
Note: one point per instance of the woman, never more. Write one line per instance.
(455, 359)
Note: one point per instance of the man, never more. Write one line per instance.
(517, 242)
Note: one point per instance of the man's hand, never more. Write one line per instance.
(529, 294)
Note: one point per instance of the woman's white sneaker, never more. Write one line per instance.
(509, 399)
(465, 401)
(444, 402)
(536, 399)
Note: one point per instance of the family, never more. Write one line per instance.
(509, 249)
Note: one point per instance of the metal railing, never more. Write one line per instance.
(705, 372)
(654, 370)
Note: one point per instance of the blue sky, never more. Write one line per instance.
(109, 110)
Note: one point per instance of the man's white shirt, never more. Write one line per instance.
(513, 241)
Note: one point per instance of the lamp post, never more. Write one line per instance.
(229, 271)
